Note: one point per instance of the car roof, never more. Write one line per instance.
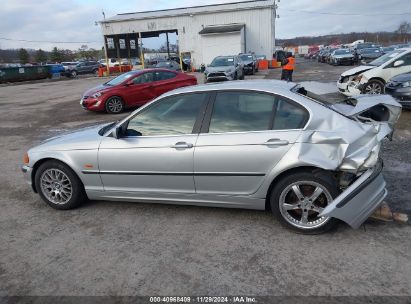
(270, 86)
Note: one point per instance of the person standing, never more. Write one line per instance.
(288, 65)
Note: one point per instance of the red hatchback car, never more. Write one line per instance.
(133, 89)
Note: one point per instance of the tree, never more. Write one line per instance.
(41, 56)
(403, 30)
(24, 56)
(56, 55)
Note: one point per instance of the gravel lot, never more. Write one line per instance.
(109, 248)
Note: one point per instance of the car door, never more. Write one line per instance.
(390, 70)
(164, 81)
(243, 137)
(155, 152)
(140, 89)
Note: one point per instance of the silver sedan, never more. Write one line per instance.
(266, 145)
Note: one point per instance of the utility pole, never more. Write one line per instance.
(274, 17)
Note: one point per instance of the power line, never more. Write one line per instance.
(348, 14)
(44, 41)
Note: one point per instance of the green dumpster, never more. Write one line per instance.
(24, 73)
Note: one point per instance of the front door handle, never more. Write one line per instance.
(276, 142)
(182, 144)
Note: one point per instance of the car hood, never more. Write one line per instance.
(357, 70)
(83, 139)
(220, 69)
(402, 77)
(96, 89)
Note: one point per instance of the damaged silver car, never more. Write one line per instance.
(266, 145)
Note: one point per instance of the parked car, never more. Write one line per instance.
(341, 57)
(112, 62)
(369, 54)
(261, 57)
(133, 89)
(68, 66)
(224, 68)
(388, 49)
(83, 67)
(255, 145)
(371, 78)
(250, 62)
(400, 87)
(171, 65)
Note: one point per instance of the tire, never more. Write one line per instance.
(235, 76)
(242, 76)
(73, 74)
(59, 186)
(374, 87)
(114, 105)
(95, 72)
(294, 191)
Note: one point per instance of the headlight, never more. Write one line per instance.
(406, 84)
(97, 95)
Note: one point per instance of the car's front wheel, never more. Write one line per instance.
(114, 105)
(374, 87)
(299, 198)
(73, 74)
(59, 186)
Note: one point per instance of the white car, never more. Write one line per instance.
(371, 78)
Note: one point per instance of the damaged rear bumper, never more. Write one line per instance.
(360, 199)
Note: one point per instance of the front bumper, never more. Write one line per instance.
(360, 199)
(27, 174)
(349, 88)
(402, 94)
(92, 104)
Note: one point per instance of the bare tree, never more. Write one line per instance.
(403, 30)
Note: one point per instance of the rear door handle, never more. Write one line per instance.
(276, 142)
(182, 144)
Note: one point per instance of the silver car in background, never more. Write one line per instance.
(224, 68)
(266, 145)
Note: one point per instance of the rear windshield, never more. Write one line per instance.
(222, 61)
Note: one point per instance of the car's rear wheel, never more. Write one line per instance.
(299, 198)
(374, 87)
(95, 72)
(114, 105)
(59, 186)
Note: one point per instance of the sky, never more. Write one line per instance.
(54, 22)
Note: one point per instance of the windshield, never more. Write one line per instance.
(246, 57)
(222, 61)
(120, 79)
(342, 52)
(384, 58)
(369, 51)
(163, 64)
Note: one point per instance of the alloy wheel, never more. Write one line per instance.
(301, 203)
(115, 105)
(56, 186)
(373, 88)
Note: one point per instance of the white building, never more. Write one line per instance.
(203, 31)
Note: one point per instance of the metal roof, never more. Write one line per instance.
(217, 29)
(204, 9)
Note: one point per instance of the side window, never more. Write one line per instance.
(289, 115)
(241, 111)
(406, 58)
(143, 78)
(164, 75)
(170, 116)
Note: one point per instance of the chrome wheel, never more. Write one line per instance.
(115, 105)
(56, 186)
(373, 88)
(301, 203)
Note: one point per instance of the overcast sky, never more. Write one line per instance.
(56, 21)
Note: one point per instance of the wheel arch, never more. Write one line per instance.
(377, 78)
(312, 169)
(39, 162)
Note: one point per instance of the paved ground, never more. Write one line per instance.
(106, 248)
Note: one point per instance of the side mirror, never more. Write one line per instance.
(398, 63)
(128, 83)
(116, 133)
